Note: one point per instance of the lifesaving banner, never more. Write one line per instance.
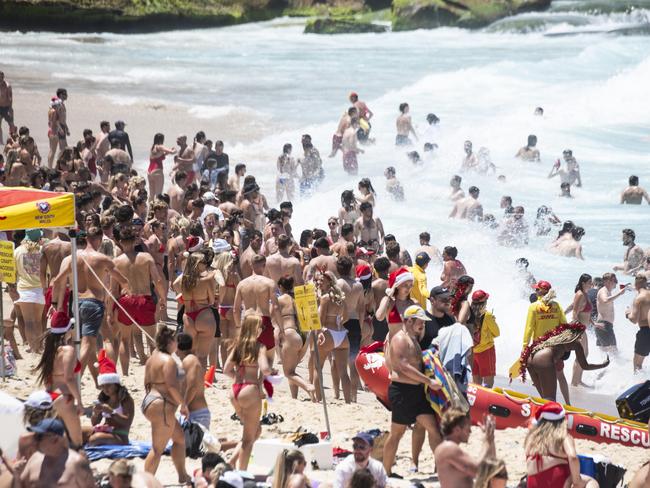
(26, 208)
(307, 307)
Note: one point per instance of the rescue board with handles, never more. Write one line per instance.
(513, 409)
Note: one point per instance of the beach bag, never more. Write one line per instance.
(9, 361)
(609, 475)
(193, 439)
(378, 446)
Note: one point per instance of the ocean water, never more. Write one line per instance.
(590, 72)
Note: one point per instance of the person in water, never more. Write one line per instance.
(404, 126)
(393, 185)
(639, 314)
(634, 194)
(529, 152)
(571, 174)
(551, 458)
(634, 254)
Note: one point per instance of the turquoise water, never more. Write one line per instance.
(484, 85)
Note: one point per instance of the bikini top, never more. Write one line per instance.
(394, 316)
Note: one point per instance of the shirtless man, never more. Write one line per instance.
(52, 255)
(634, 194)
(369, 230)
(176, 191)
(350, 148)
(456, 192)
(184, 160)
(604, 324)
(252, 213)
(282, 263)
(469, 207)
(102, 144)
(246, 258)
(362, 109)
(354, 313)
(194, 382)
(456, 468)
(404, 126)
(633, 257)
(141, 271)
(425, 246)
(118, 154)
(569, 246)
(324, 261)
(228, 205)
(571, 174)
(529, 152)
(234, 180)
(470, 161)
(257, 294)
(407, 381)
(340, 247)
(638, 315)
(452, 268)
(344, 124)
(54, 463)
(92, 295)
(312, 166)
(271, 244)
(6, 105)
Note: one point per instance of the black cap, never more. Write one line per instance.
(438, 291)
(422, 258)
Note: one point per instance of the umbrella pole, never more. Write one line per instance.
(75, 299)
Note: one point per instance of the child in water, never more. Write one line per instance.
(393, 186)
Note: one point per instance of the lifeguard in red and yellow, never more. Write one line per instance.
(484, 362)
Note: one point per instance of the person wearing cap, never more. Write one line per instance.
(456, 468)
(54, 464)
(120, 474)
(30, 284)
(407, 381)
(113, 411)
(362, 445)
(420, 292)
(543, 315)
(118, 134)
(484, 329)
(344, 124)
(551, 457)
(211, 207)
(135, 303)
(37, 407)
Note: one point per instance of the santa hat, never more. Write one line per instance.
(364, 272)
(551, 411)
(480, 296)
(399, 276)
(194, 243)
(107, 370)
(61, 322)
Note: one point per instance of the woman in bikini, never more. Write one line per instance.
(551, 458)
(295, 342)
(348, 213)
(581, 308)
(198, 286)
(155, 173)
(113, 410)
(367, 192)
(460, 307)
(57, 370)
(118, 186)
(227, 276)
(15, 171)
(163, 376)
(543, 355)
(333, 336)
(247, 365)
(158, 250)
(397, 299)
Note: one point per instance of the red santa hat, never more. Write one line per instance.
(364, 272)
(551, 411)
(107, 370)
(399, 276)
(61, 322)
(194, 243)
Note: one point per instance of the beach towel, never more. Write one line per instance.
(454, 344)
(449, 395)
(135, 449)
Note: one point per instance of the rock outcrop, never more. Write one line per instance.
(333, 25)
(428, 14)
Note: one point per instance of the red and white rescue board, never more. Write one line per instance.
(514, 409)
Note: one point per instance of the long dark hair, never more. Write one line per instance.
(584, 277)
(51, 343)
(157, 139)
(122, 394)
(164, 336)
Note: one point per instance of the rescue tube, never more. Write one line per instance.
(510, 408)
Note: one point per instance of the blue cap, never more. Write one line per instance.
(48, 426)
(364, 436)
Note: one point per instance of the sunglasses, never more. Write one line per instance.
(331, 224)
(360, 447)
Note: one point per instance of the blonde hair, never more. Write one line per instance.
(223, 263)
(546, 437)
(247, 347)
(115, 179)
(285, 466)
(191, 272)
(334, 292)
(134, 182)
(489, 469)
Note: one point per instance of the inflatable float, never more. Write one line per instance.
(511, 408)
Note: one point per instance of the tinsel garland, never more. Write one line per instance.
(528, 350)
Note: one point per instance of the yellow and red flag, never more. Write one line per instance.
(28, 208)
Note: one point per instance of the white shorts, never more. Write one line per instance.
(31, 295)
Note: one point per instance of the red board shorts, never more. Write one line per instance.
(485, 363)
(266, 337)
(336, 142)
(48, 299)
(140, 307)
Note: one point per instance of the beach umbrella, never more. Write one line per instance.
(29, 208)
